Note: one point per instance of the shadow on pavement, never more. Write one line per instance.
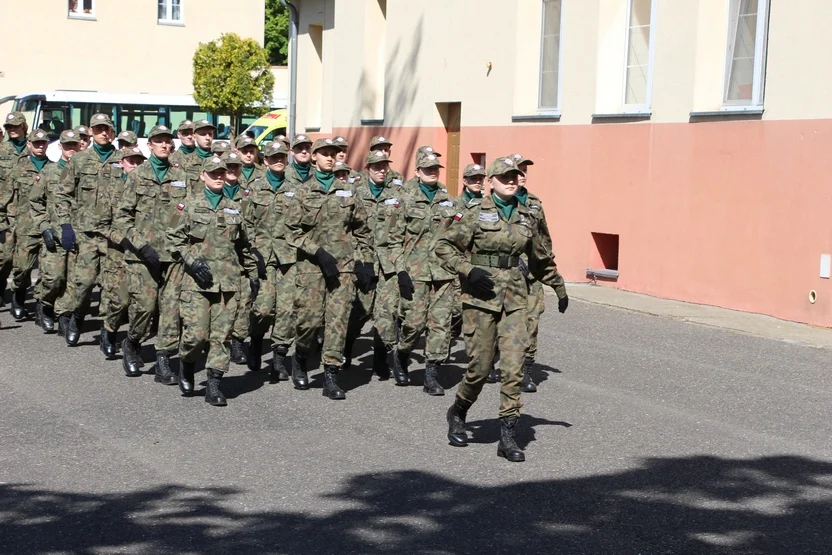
(488, 431)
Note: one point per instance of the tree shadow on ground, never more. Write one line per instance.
(680, 505)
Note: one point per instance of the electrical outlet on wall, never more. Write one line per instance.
(825, 265)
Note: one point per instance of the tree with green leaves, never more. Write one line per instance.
(277, 32)
(232, 76)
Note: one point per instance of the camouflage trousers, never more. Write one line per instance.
(83, 272)
(319, 306)
(537, 305)
(430, 310)
(275, 305)
(26, 251)
(151, 296)
(484, 332)
(243, 316)
(207, 319)
(52, 283)
(115, 297)
(6, 257)
(382, 305)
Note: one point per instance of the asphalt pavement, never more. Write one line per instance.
(648, 435)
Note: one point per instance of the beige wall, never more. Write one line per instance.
(57, 52)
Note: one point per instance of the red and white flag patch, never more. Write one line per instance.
(458, 217)
(180, 206)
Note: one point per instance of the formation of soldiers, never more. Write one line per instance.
(212, 245)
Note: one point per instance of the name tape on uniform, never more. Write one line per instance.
(230, 210)
(446, 203)
(345, 194)
(489, 217)
(180, 184)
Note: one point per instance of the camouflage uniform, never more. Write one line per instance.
(51, 265)
(240, 329)
(537, 304)
(9, 158)
(192, 163)
(293, 177)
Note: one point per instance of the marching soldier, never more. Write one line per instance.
(300, 170)
(203, 138)
(185, 134)
(220, 148)
(127, 140)
(343, 150)
(84, 133)
(379, 142)
(11, 151)
(251, 172)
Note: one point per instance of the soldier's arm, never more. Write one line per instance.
(124, 220)
(542, 265)
(65, 193)
(451, 245)
(543, 228)
(243, 247)
(37, 206)
(6, 195)
(361, 231)
(296, 236)
(397, 223)
(250, 221)
(176, 237)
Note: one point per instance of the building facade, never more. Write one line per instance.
(682, 147)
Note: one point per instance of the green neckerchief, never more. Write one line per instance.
(18, 144)
(522, 195)
(123, 177)
(160, 167)
(247, 171)
(38, 162)
(230, 191)
(429, 190)
(325, 178)
(303, 170)
(275, 179)
(375, 189)
(187, 149)
(469, 196)
(104, 151)
(213, 198)
(62, 163)
(202, 153)
(507, 208)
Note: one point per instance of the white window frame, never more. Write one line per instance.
(167, 20)
(760, 51)
(81, 14)
(647, 107)
(550, 110)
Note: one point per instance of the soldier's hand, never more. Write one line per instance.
(150, 257)
(67, 237)
(327, 263)
(365, 273)
(50, 239)
(406, 288)
(201, 272)
(255, 287)
(261, 263)
(480, 281)
(523, 268)
(563, 304)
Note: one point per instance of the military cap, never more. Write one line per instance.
(300, 140)
(426, 150)
(341, 142)
(185, 125)
(379, 140)
(202, 124)
(473, 169)
(128, 137)
(275, 147)
(231, 158)
(133, 151)
(14, 118)
(160, 130)
(264, 145)
(220, 147)
(341, 167)
(69, 136)
(101, 119)
(428, 161)
(502, 166)
(376, 156)
(213, 163)
(323, 143)
(244, 141)
(82, 130)
(38, 135)
(520, 159)
(283, 139)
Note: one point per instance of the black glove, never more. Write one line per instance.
(523, 268)
(365, 273)
(50, 239)
(3, 237)
(406, 288)
(261, 263)
(563, 304)
(255, 287)
(327, 263)
(201, 273)
(67, 237)
(480, 281)
(150, 257)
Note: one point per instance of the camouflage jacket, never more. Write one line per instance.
(478, 232)
(541, 227)
(259, 174)
(43, 199)
(145, 209)
(9, 158)
(216, 235)
(335, 220)
(380, 212)
(192, 165)
(81, 199)
(293, 177)
(180, 157)
(24, 181)
(264, 213)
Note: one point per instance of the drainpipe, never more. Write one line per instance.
(293, 66)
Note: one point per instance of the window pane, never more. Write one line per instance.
(549, 54)
(742, 59)
(741, 85)
(163, 9)
(549, 90)
(636, 85)
(638, 53)
(176, 10)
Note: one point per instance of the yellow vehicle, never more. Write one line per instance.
(269, 126)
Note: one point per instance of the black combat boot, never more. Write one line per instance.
(164, 375)
(73, 332)
(331, 388)
(46, 317)
(63, 323)
(130, 357)
(254, 359)
(431, 386)
(278, 372)
(186, 377)
(380, 366)
(494, 376)
(18, 304)
(456, 423)
(238, 355)
(401, 360)
(299, 376)
(507, 448)
(213, 395)
(528, 386)
(108, 343)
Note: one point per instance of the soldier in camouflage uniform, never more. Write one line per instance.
(265, 213)
(185, 133)
(152, 191)
(127, 140)
(52, 260)
(300, 170)
(383, 144)
(220, 148)
(206, 234)
(343, 151)
(327, 223)
(83, 133)
(426, 288)
(251, 172)
(483, 245)
(204, 132)
(11, 151)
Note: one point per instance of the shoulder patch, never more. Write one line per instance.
(489, 217)
(175, 165)
(458, 217)
(180, 206)
(246, 192)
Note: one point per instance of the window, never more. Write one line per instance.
(746, 53)
(550, 56)
(639, 70)
(81, 9)
(170, 12)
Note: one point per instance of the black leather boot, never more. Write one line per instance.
(238, 354)
(431, 386)
(254, 359)
(213, 395)
(186, 377)
(63, 323)
(457, 435)
(18, 304)
(507, 448)
(494, 376)
(278, 372)
(108, 343)
(331, 388)
(46, 315)
(299, 376)
(73, 332)
(380, 366)
(164, 375)
(130, 357)
(527, 385)
(401, 360)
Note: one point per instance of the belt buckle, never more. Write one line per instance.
(503, 261)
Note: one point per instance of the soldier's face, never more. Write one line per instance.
(130, 163)
(102, 134)
(474, 183)
(37, 148)
(342, 176)
(161, 146)
(186, 136)
(68, 150)
(428, 176)
(214, 180)
(521, 178)
(341, 156)
(324, 158)
(378, 171)
(17, 131)
(248, 154)
(204, 137)
(85, 142)
(276, 162)
(504, 186)
(232, 174)
(302, 153)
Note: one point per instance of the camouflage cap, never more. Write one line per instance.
(133, 151)
(82, 130)
(128, 137)
(473, 169)
(426, 150)
(275, 147)
(186, 125)
(323, 143)
(220, 147)
(14, 118)
(69, 136)
(376, 156)
(519, 159)
(232, 158)
(300, 140)
(159, 130)
(341, 167)
(502, 166)
(341, 142)
(101, 119)
(202, 124)
(38, 135)
(379, 140)
(428, 161)
(213, 163)
(283, 139)
(243, 141)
